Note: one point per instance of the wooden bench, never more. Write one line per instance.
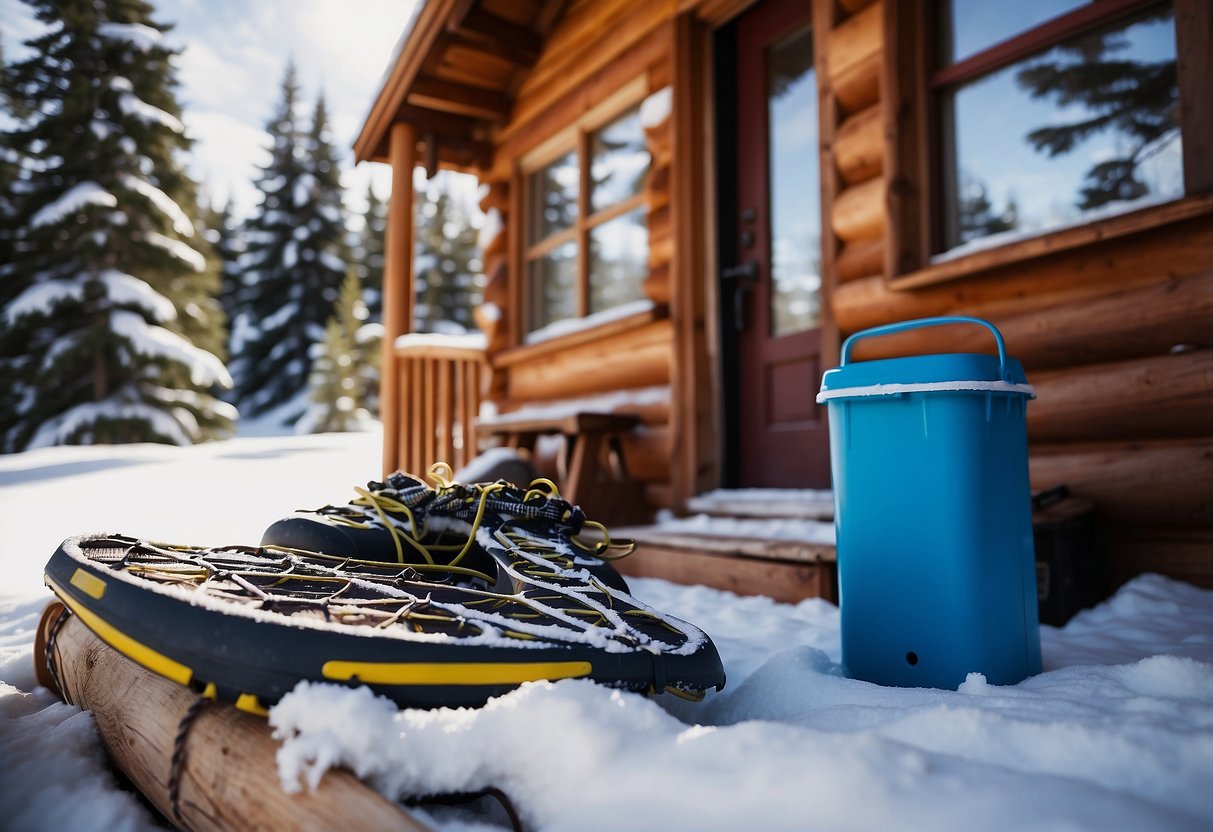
(590, 469)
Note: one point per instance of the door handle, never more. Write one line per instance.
(742, 276)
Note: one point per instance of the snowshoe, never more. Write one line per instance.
(404, 521)
(246, 624)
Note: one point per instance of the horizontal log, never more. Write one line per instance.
(854, 59)
(659, 495)
(497, 195)
(659, 222)
(859, 212)
(1183, 554)
(1140, 322)
(856, 40)
(1079, 276)
(638, 357)
(657, 285)
(229, 779)
(1163, 396)
(1157, 482)
(859, 146)
(862, 258)
(661, 249)
(784, 581)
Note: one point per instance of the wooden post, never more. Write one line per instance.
(398, 285)
(693, 383)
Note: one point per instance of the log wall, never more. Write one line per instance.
(1115, 333)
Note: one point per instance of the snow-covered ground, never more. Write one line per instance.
(1117, 733)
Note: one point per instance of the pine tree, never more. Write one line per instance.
(977, 216)
(339, 373)
(294, 263)
(1138, 100)
(109, 327)
(450, 279)
(370, 254)
(224, 235)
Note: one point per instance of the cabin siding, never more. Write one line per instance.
(1113, 320)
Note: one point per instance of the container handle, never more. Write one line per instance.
(903, 326)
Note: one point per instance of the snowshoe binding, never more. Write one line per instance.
(490, 587)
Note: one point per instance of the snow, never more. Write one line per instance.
(602, 403)
(73, 199)
(656, 108)
(771, 528)
(926, 387)
(138, 35)
(59, 429)
(1116, 734)
(157, 342)
(332, 262)
(123, 288)
(1015, 235)
(191, 257)
(163, 202)
(41, 298)
(570, 325)
(466, 341)
(134, 106)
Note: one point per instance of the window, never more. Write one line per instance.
(1050, 113)
(586, 225)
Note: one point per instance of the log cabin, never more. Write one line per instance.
(690, 203)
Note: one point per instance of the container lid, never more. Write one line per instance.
(924, 373)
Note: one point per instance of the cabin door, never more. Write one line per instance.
(771, 295)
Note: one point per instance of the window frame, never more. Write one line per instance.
(576, 138)
(914, 161)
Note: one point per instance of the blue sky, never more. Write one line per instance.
(231, 67)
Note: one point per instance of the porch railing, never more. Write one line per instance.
(441, 382)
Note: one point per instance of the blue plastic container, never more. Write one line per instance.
(936, 572)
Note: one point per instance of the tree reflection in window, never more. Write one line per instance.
(1086, 127)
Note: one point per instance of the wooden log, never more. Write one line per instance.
(1157, 482)
(637, 357)
(1163, 396)
(1148, 321)
(657, 286)
(229, 780)
(859, 146)
(859, 212)
(1185, 554)
(854, 59)
(1079, 276)
(852, 6)
(862, 258)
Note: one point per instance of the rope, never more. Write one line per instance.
(51, 664)
(177, 764)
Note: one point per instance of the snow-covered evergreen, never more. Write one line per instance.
(295, 260)
(450, 276)
(369, 254)
(110, 328)
(227, 240)
(344, 372)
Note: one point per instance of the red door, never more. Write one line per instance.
(773, 295)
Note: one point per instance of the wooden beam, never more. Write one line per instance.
(496, 34)
(399, 290)
(459, 99)
(1194, 54)
(428, 120)
(694, 420)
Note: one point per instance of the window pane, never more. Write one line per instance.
(795, 187)
(619, 260)
(553, 286)
(619, 161)
(970, 26)
(1083, 130)
(553, 198)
